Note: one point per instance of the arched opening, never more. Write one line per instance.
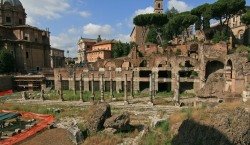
(229, 70)
(126, 65)
(186, 64)
(110, 65)
(159, 5)
(143, 63)
(212, 67)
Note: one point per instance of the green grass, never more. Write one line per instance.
(158, 136)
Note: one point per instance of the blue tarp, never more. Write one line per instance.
(8, 116)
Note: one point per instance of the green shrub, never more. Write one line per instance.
(242, 49)
(220, 36)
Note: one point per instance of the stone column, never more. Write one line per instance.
(125, 90)
(42, 95)
(101, 88)
(136, 81)
(24, 95)
(154, 85)
(92, 87)
(132, 85)
(74, 83)
(81, 89)
(150, 90)
(86, 83)
(60, 87)
(112, 97)
(176, 91)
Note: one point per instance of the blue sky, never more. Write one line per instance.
(68, 20)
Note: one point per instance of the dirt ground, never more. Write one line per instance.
(50, 137)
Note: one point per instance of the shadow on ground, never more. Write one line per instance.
(193, 133)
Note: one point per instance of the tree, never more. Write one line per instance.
(170, 13)
(204, 14)
(246, 18)
(226, 9)
(121, 49)
(151, 20)
(179, 23)
(6, 61)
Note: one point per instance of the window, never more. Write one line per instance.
(159, 5)
(8, 20)
(20, 21)
(27, 55)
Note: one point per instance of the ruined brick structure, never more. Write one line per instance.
(185, 72)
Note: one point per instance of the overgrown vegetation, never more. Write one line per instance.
(6, 61)
(122, 49)
(158, 136)
(163, 27)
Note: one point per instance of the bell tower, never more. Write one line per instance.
(158, 6)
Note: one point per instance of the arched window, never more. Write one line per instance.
(159, 5)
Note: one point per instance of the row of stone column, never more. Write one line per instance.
(152, 89)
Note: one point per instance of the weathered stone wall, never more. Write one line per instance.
(5, 83)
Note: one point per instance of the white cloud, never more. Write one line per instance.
(84, 14)
(94, 30)
(144, 11)
(181, 6)
(67, 41)
(48, 9)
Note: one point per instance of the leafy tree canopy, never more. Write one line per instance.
(246, 18)
(6, 61)
(144, 20)
(121, 49)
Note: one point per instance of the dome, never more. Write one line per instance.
(12, 2)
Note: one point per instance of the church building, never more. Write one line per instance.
(30, 46)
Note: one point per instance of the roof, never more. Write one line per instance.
(8, 116)
(106, 42)
(87, 40)
(12, 2)
(56, 49)
(27, 26)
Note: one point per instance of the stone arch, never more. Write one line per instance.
(186, 63)
(212, 67)
(229, 69)
(193, 51)
(240, 34)
(126, 64)
(164, 63)
(110, 64)
(144, 63)
(159, 5)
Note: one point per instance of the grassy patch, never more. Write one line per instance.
(158, 136)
